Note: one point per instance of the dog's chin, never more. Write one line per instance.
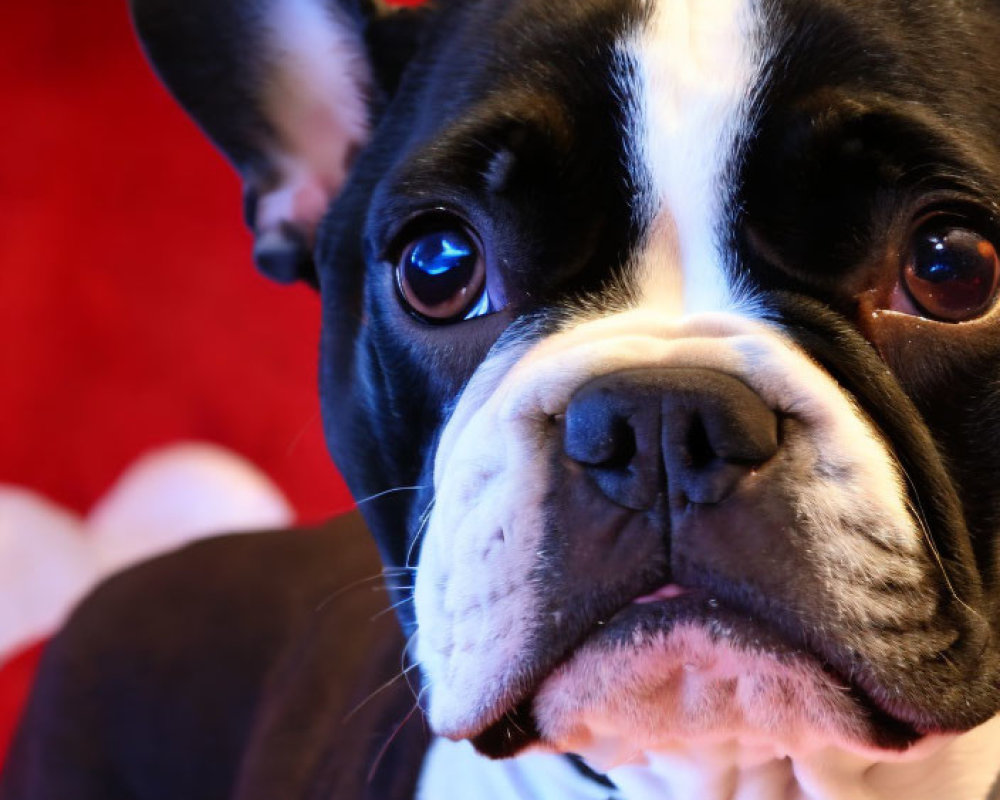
(688, 670)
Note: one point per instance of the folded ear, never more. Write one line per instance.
(285, 89)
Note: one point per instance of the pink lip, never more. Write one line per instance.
(669, 592)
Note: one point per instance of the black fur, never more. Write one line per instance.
(510, 114)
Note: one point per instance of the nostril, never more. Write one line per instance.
(621, 448)
(698, 450)
(597, 436)
(716, 431)
(615, 437)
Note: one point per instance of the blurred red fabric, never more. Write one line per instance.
(130, 314)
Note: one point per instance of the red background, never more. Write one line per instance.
(130, 314)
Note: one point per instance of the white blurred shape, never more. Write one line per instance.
(178, 494)
(46, 564)
(50, 558)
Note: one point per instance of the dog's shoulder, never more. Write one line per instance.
(219, 648)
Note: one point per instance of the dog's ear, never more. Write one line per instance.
(286, 89)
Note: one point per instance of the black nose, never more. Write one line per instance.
(694, 432)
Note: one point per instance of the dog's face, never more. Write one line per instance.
(668, 330)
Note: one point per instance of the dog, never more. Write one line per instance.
(661, 345)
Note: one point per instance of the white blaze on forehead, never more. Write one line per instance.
(693, 66)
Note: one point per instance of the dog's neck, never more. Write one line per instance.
(962, 768)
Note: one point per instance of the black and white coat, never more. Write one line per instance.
(740, 188)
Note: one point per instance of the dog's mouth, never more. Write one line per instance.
(648, 617)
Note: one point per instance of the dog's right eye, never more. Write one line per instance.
(441, 274)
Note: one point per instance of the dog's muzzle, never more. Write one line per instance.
(690, 512)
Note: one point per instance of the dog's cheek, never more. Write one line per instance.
(963, 411)
(475, 601)
(477, 605)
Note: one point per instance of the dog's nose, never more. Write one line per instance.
(693, 432)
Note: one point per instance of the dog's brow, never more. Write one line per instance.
(917, 142)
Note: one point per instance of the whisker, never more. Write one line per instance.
(424, 520)
(917, 509)
(378, 691)
(383, 575)
(510, 719)
(293, 442)
(402, 663)
(393, 607)
(394, 490)
(395, 733)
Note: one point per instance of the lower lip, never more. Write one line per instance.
(655, 614)
(660, 611)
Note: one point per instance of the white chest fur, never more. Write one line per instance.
(962, 768)
(454, 771)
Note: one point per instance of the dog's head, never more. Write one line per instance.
(663, 334)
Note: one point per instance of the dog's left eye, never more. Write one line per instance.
(441, 275)
(951, 272)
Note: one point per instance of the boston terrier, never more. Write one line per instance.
(661, 348)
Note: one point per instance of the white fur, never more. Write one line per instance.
(50, 557)
(317, 102)
(454, 771)
(961, 768)
(690, 75)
